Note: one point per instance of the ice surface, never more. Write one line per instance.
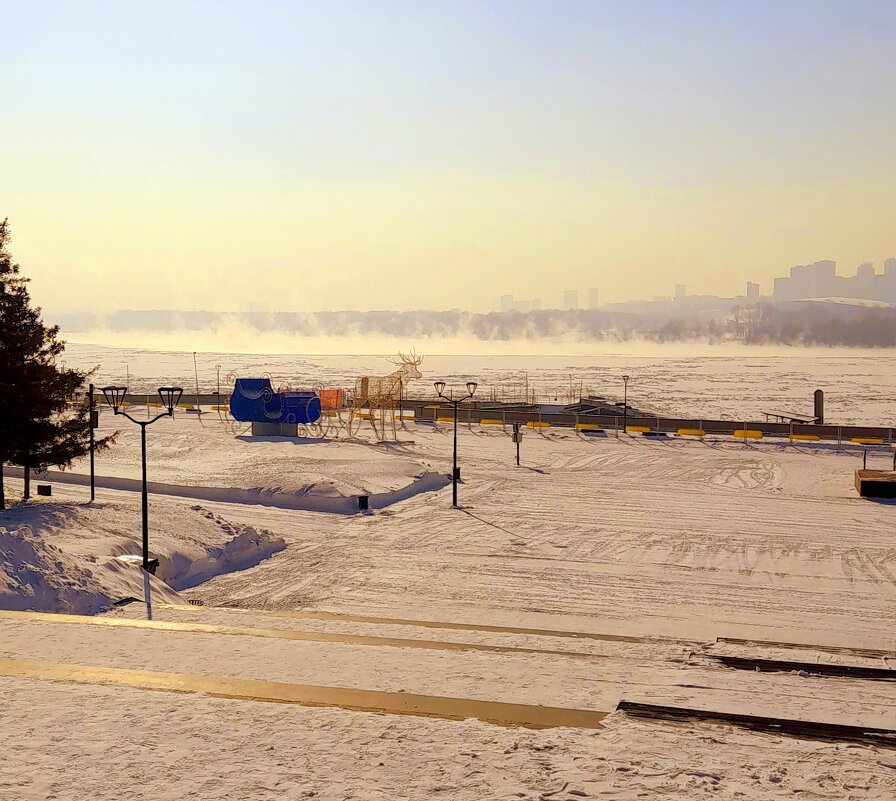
(727, 382)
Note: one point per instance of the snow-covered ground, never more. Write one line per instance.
(172, 746)
(648, 550)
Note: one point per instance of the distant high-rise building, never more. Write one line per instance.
(593, 298)
(818, 280)
(506, 303)
(571, 299)
(752, 292)
(536, 304)
(886, 283)
(864, 283)
(824, 279)
(680, 291)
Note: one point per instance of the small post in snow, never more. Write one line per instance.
(196, 373)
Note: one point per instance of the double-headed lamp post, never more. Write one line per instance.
(455, 402)
(170, 396)
(624, 403)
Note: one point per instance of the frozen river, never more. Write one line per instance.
(728, 382)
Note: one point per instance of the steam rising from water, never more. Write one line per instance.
(246, 340)
(549, 333)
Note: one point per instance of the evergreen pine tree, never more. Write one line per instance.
(40, 424)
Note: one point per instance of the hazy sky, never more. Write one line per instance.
(291, 155)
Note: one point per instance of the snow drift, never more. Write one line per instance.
(61, 557)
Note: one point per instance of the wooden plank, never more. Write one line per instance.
(452, 626)
(872, 653)
(282, 634)
(349, 698)
(808, 729)
(812, 668)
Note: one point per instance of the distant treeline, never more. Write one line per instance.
(808, 324)
(851, 326)
(583, 324)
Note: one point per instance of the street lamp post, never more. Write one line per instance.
(115, 398)
(624, 403)
(455, 402)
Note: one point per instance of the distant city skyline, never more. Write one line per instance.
(803, 281)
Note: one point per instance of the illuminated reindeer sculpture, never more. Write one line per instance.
(380, 392)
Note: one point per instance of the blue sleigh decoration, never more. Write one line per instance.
(253, 400)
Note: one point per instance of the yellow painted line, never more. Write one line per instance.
(434, 624)
(279, 634)
(444, 419)
(491, 421)
(538, 424)
(312, 695)
(588, 427)
(221, 408)
(691, 432)
(637, 429)
(806, 437)
(747, 433)
(867, 441)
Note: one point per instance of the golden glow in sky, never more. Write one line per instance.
(304, 156)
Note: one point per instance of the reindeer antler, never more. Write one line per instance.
(405, 359)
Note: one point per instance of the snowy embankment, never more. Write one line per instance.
(192, 457)
(62, 557)
(310, 499)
